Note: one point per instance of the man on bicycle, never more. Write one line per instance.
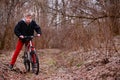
(25, 27)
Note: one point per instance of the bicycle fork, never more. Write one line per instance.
(32, 52)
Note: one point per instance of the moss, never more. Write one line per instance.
(79, 64)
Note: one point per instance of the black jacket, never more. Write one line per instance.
(26, 30)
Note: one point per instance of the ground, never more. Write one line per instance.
(56, 64)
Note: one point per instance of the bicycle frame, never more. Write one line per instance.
(30, 57)
(28, 48)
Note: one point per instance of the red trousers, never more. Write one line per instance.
(17, 51)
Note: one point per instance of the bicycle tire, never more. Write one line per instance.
(26, 62)
(35, 66)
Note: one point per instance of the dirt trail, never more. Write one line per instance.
(64, 65)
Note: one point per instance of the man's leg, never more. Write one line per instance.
(16, 52)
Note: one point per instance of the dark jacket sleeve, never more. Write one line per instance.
(17, 29)
(37, 28)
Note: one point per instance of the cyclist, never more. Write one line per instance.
(25, 27)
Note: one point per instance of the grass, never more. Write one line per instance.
(79, 64)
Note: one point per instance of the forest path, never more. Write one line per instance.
(56, 64)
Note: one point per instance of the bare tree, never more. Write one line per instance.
(67, 24)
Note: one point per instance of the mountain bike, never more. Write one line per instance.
(30, 57)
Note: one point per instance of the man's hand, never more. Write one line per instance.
(38, 35)
(21, 36)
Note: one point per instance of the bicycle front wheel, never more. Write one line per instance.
(35, 63)
(26, 62)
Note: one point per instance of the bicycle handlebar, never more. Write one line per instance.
(30, 37)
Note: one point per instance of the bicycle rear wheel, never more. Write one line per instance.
(35, 63)
(26, 62)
